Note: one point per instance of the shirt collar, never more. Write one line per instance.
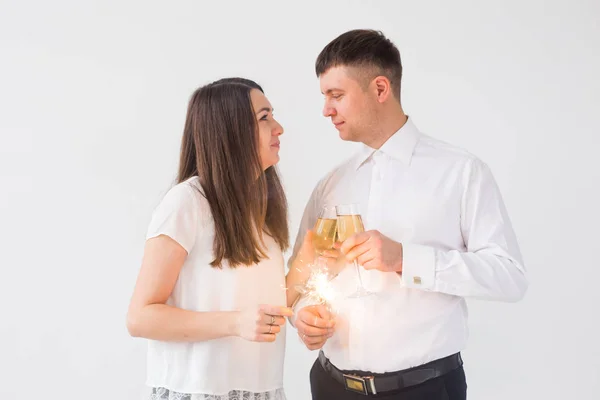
(400, 145)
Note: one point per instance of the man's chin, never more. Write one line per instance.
(347, 137)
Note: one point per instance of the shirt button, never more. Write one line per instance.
(417, 280)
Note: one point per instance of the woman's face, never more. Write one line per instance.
(268, 129)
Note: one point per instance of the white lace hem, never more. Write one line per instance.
(166, 394)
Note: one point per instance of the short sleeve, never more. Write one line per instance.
(176, 216)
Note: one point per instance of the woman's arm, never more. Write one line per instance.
(149, 317)
(303, 264)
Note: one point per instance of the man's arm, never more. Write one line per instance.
(490, 268)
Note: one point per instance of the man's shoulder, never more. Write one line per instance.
(337, 172)
(443, 151)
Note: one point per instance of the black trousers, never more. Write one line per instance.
(451, 386)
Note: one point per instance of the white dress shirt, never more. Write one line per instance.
(228, 367)
(444, 206)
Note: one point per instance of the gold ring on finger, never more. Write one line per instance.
(272, 320)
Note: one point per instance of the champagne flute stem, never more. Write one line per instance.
(360, 284)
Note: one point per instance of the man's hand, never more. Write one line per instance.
(315, 325)
(373, 250)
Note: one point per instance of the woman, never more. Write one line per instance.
(210, 293)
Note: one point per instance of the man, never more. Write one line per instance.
(437, 232)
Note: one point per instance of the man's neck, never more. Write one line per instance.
(387, 127)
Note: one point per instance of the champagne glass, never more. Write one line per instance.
(324, 238)
(349, 222)
(325, 229)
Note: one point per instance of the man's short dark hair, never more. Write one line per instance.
(367, 50)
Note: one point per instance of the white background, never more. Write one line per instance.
(92, 103)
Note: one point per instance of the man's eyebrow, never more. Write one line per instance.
(332, 90)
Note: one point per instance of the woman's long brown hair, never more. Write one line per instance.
(220, 146)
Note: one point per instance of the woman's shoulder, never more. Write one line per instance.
(188, 191)
(180, 214)
(185, 196)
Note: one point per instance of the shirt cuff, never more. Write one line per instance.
(418, 266)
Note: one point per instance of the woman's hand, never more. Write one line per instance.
(261, 324)
(308, 260)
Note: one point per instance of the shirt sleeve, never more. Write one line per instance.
(491, 267)
(176, 217)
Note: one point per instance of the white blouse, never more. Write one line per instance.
(214, 369)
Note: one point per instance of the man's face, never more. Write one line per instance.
(352, 108)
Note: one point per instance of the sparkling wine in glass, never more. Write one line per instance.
(349, 223)
(325, 230)
(324, 238)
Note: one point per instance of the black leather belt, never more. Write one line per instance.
(367, 383)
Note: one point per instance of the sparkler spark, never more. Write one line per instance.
(318, 288)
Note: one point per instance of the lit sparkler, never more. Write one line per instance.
(318, 288)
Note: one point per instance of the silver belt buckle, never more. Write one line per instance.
(359, 384)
